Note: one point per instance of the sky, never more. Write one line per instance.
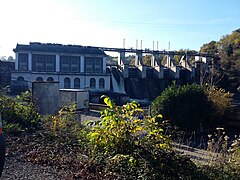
(186, 24)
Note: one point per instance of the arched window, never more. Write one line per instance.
(39, 79)
(67, 83)
(101, 83)
(92, 83)
(77, 83)
(50, 79)
(20, 78)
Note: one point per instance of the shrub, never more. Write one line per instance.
(123, 146)
(186, 106)
(220, 100)
(61, 142)
(19, 114)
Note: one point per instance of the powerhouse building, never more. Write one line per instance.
(73, 66)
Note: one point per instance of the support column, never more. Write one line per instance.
(82, 64)
(30, 61)
(121, 58)
(155, 60)
(156, 64)
(170, 60)
(125, 70)
(16, 61)
(104, 64)
(138, 59)
(57, 63)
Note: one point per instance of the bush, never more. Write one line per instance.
(221, 105)
(123, 146)
(186, 106)
(61, 142)
(18, 113)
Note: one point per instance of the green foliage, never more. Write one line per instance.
(177, 58)
(147, 60)
(61, 141)
(18, 113)
(219, 172)
(64, 126)
(209, 48)
(220, 100)
(124, 146)
(186, 106)
(120, 130)
(228, 50)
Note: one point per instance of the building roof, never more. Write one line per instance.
(59, 48)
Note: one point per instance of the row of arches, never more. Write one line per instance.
(76, 83)
(92, 84)
(49, 79)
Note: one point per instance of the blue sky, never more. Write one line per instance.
(186, 24)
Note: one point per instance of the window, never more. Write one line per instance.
(42, 62)
(20, 78)
(89, 65)
(70, 64)
(77, 83)
(50, 65)
(75, 61)
(50, 79)
(64, 64)
(39, 79)
(93, 65)
(23, 62)
(98, 66)
(92, 83)
(67, 83)
(101, 83)
(39, 64)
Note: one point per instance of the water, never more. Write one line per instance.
(118, 87)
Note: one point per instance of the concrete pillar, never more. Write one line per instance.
(160, 74)
(125, 71)
(193, 73)
(104, 64)
(46, 97)
(57, 63)
(143, 70)
(30, 61)
(170, 59)
(155, 60)
(16, 61)
(82, 64)
(177, 73)
(121, 58)
(138, 59)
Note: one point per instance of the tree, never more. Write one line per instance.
(9, 59)
(147, 60)
(182, 52)
(227, 50)
(185, 106)
(229, 53)
(209, 48)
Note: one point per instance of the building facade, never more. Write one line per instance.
(73, 66)
(5, 72)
